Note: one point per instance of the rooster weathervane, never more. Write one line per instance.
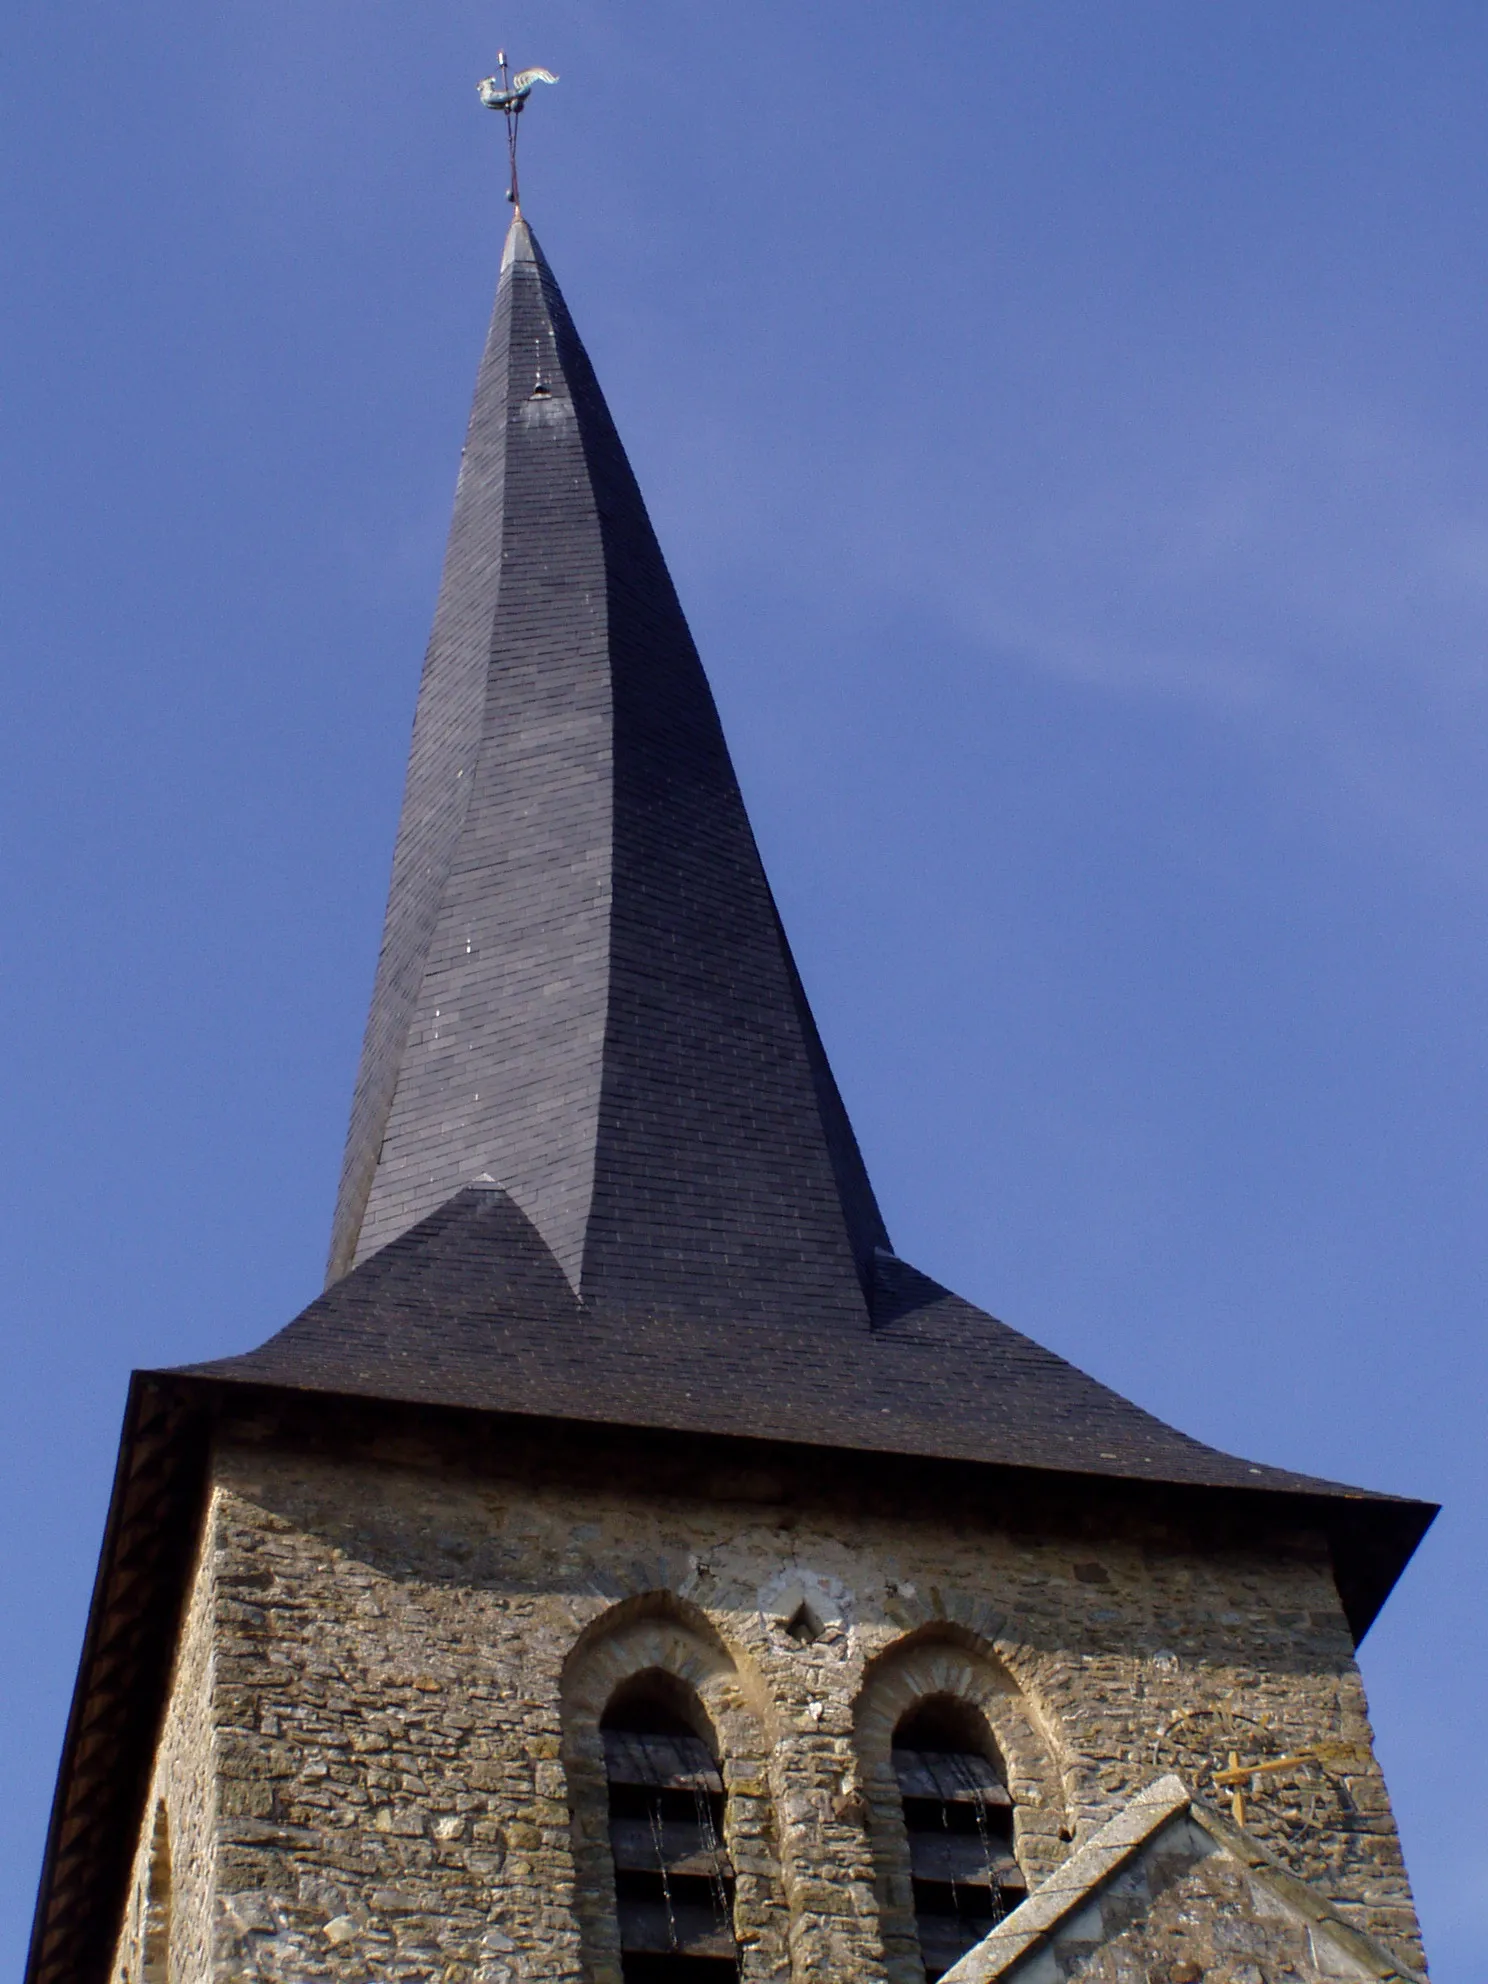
(508, 94)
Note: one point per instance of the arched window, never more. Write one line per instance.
(674, 1883)
(156, 1966)
(959, 1818)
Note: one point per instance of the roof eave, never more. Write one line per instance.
(148, 1541)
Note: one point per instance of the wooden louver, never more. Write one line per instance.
(959, 1818)
(674, 1882)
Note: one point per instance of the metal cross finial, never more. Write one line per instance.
(508, 94)
(1239, 1775)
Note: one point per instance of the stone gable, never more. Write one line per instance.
(1169, 1892)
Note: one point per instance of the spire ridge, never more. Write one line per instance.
(518, 246)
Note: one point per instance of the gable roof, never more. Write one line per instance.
(1111, 1881)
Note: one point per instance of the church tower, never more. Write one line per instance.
(629, 1568)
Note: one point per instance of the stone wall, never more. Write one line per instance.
(411, 1657)
(167, 1931)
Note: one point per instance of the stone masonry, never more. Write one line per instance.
(1171, 1891)
(181, 1817)
(380, 1758)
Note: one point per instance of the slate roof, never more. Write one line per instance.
(584, 990)
(597, 1165)
(470, 1309)
(598, 1171)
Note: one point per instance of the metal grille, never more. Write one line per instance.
(959, 1818)
(674, 1881)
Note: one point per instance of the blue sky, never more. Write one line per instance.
(1066, 424)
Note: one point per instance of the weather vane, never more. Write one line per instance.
(508, 94)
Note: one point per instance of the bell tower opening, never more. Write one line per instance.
(674, 1881)
(958, 1814)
